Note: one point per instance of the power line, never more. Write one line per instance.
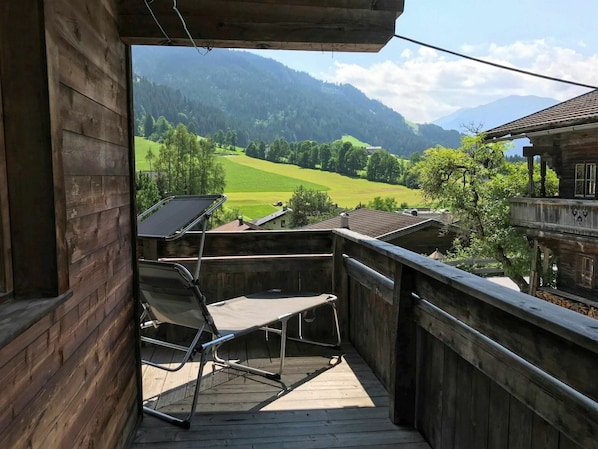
(494, 64)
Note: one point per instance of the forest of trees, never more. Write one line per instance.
(261, 99)
(339, 157)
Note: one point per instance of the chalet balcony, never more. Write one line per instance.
(556, 215)
(432, 356)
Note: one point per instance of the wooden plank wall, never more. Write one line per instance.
(70, 381)
(568, 253)
(493, 368)
(571, 149)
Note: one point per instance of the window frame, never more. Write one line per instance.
(586, 271)
(585, 180)
(5, 247)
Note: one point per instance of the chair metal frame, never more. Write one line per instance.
(167, 285)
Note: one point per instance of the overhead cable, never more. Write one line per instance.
(147, 4)
(494, 64)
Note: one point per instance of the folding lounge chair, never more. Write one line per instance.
(170, 294)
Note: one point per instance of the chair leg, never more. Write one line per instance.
(184, 423)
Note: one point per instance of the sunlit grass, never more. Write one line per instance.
(253, 185)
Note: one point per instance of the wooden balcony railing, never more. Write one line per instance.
(469, 363)
(557, 215)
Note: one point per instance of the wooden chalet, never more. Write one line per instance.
(465, 363)
(564, 137)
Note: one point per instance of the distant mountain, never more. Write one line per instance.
(263, 99)
(494, 114)
(497, 113)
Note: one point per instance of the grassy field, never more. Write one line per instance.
(252, 185)
(355, 142)
(346, 192)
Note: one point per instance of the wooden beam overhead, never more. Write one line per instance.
(333, 25)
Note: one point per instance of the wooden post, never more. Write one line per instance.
(543, 178)
(32, 138)
(340, 286)
(530, 175)
(533, 276)
(5, 253)
(401, 391)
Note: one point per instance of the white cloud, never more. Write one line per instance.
(426, 84)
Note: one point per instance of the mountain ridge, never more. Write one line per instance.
(263, 99)
(495, 113)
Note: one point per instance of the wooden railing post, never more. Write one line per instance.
(340, 286)
(403, 357)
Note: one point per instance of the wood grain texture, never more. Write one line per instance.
(336, 26)
(338, 405)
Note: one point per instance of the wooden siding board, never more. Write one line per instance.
(88, 195)
(450, 392)
(464, 405)
(58, 392)
(429, 399)
(533, 343)
(544, 436)
(91, 31)
(480, 389)
(527, 383)
(82, 115)
(520, 426)
(498, 417)
(402, 387)
(92, 232)
(85, 156)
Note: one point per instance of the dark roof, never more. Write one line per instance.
(373, 223)
(267, 219)
(577, 111)
(237, 225)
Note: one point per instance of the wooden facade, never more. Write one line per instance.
(69, 356)
(68, 365)
(565, 227)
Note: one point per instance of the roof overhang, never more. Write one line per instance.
(541, 132)
(322, 25)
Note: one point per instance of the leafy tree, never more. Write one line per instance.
(383, 167)
(475, 182)
(161, 128)
(147, 192)
(309, 206)
(252, 149)
(388, 204)
(188, 165)
(148, 125)
(355, 160)
(149, 157)
(325, 157)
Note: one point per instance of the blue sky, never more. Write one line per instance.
(552, 37)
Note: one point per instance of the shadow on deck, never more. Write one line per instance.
(329, 401)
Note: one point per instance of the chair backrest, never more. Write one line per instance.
(172, 217)
(168, 289)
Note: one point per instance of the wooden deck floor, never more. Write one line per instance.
(328, 402)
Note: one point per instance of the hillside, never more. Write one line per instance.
(263, 99)
(252, 185)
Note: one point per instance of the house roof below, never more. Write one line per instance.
(376, 223)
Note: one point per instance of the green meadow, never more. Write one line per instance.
(253, 185)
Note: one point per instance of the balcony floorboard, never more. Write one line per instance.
(327, 403)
